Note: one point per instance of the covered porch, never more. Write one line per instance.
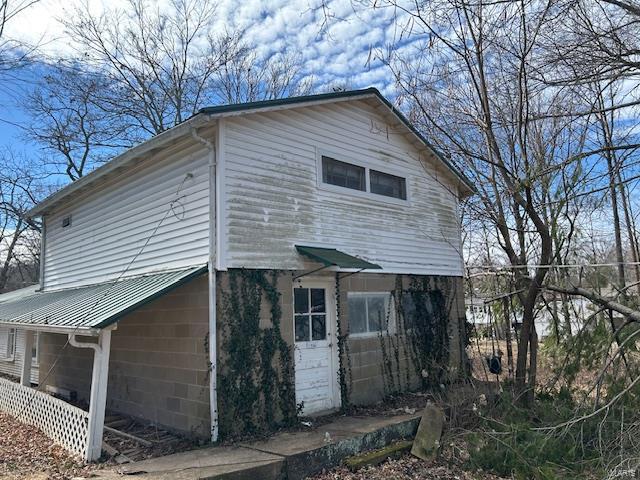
(81, 319)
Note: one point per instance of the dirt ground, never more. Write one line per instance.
(407, 468)
(25, 453)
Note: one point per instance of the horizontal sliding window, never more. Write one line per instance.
(342, 174)
(388, 185)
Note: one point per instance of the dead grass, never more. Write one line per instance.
(26, 453)
(407, 467)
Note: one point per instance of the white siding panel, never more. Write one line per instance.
(273, 200)
(139, 210)
(13, 365)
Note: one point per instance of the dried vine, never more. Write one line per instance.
(344, 356)
(421, 339)
(255, 378)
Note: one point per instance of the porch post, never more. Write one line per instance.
(98, 399)
(27, 344)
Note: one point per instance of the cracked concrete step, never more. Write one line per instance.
(307, 453)
(228, 463)
(287, 455)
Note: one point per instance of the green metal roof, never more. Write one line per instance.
(17, 294)
(88, 308)
(330, 257)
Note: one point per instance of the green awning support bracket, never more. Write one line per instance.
(330, 257)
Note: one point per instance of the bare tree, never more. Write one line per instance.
(19, 240)
(142, 70)
(244, 77)
(160, 63)
(13, 53)
(469, 83)
(75, 130)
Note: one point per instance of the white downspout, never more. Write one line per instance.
(43, 239)
(213, 337)
(98, 398)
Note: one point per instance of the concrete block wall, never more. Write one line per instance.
(367, 382)
(158, 369)
(159, 363)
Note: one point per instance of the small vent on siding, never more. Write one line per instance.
(66, 221)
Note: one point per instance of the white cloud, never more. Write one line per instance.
(338, 52)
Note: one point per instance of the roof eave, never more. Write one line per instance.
(86, 331)
(116, 163)
(206, 114)
(467, 187)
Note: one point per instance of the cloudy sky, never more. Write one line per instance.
(335, 51)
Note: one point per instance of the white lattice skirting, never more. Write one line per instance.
(65, 424)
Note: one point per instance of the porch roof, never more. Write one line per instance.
(330, 257)
(87, 309)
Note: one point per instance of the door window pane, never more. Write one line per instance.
(317, 300)
(301, 300)
(388, 185)
(335, 172)
(302, 328)
(318, 327)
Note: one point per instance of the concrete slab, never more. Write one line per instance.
(287, 455)
(310, 452)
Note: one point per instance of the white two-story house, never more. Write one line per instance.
(259, 259)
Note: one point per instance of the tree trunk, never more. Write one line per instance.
(506, 307)
(628, 218)
(616, 221)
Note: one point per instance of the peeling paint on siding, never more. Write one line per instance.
(273, 200)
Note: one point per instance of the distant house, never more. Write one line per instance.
(259, 247)
(477, 311)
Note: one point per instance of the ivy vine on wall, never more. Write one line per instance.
(417, 353)
(255, 364)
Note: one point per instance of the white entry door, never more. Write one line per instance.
(316, 346)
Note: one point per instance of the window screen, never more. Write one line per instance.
(11, 342)
(388, 185)
(368, 312)
(342, 174)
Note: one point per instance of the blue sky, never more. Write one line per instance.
(337, 51)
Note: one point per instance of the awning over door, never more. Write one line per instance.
(330, 257)
(87, 309)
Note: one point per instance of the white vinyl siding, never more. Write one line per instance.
(274, 197)
(111, 225)
(12, 364)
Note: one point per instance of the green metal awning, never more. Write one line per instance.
(330, 257)
(88, 308)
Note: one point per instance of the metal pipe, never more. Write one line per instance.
(213, 355)
(43, 239)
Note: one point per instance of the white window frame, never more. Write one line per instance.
(389, 306)
(35, 361)
(11, 332)
(367, 179)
